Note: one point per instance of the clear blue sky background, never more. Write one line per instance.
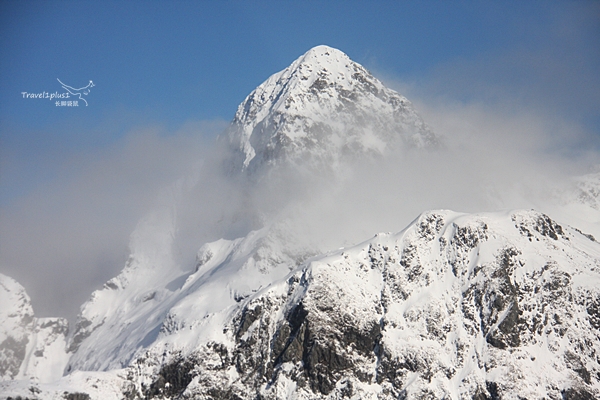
(176, 63)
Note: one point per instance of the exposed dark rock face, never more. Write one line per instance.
(577, 394)
(12, 353)
(321, 109)
(499, 305)
(321, 352)
(81, 333)
(540, 223)
(405, 316)
(172, 379)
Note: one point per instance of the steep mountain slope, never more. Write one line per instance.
(482, 306)
(322, 108)
(455, 306)
(142, 303)
(29, 346)
(577, 203)
(316, 111)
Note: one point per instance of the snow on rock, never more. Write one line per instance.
(30, 348)
(46, 351)
(79, 385)
(17, 318)
(321, 108)
(481, 306)
(577, 203)
(121, 321)
(117, 318)
(323, 104)
(455, 306)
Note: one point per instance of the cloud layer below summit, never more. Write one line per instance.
(69, 235)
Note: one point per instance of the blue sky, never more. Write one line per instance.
(178, 69)
(170, 62)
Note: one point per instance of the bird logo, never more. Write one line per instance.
(78, 92)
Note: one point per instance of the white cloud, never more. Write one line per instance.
(515, 127)
(70, 234)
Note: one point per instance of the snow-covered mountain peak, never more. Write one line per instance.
(323, 53)
(321, 109)
(321, 59)
(454, 306)
(30, 347)
(323, 64)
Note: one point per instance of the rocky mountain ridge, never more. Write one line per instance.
(321, 109)
(484, 306)
(30, 347)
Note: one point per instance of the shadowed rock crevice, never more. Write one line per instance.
(299, 337)
(173, 378)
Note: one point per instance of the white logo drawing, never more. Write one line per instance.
(78, 92)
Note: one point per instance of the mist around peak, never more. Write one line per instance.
(491, 157)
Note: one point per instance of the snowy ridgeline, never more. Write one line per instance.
(482, 306)
(29, 346)
(322, 109)
(502, 305)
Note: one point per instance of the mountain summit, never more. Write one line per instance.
(322, 108)
(501, 305)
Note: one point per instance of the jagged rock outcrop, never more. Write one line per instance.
(17, 317)
(30, 347)
(481, 306)
(487, 306)
(322, 109)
